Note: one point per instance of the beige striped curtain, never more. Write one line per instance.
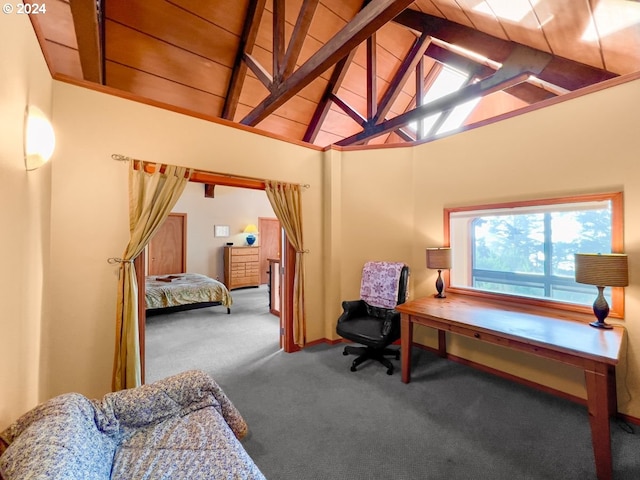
(151, 198)
(286, 203)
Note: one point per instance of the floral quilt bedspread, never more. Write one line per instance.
(184, 289)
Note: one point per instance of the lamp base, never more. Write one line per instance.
(600, 310)
(439, 287)
(606, 326)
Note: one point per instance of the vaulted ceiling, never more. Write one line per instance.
(344, 71)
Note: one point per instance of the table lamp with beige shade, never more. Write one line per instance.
(439, 259)
(602, 270)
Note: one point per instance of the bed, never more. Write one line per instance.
(184, 291)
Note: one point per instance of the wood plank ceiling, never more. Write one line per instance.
(345, 71)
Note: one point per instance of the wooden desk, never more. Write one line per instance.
(557, 336)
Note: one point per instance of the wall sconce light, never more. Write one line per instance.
(602, 270)
(251, 229)
(39, 138)
(439, 259)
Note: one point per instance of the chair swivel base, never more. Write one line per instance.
(366, 353)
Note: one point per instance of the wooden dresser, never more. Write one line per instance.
(241, 267)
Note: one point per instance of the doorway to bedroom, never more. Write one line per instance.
(208, 336)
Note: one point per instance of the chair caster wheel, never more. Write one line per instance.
(390, 371)
(398, 356)
(353, 369)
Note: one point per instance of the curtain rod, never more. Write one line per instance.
(203, 176)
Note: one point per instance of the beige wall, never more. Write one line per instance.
(89, 215)
(235, 207)
(58, 328)
(584, 145)
(24, 216)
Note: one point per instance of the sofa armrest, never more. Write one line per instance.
(57, 439)
(127, 410)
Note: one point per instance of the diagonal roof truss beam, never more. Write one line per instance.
(247, 41)
(86, 24)
(406, 69)
(307, 10)
(366, 22)
(522, 62)
(324, 105)
(564, 73)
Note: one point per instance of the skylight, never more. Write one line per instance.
(448, 81)
(512, 10)
(610, 17)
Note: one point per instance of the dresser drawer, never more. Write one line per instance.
(244, 251)
(241, 267)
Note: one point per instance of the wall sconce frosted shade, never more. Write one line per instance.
(439, 259)
(39, 138)
(602, 270)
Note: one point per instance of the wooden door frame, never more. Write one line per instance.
(286, 306)
(286, 300)
(263, 240)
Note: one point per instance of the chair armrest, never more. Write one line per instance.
(352, 308)
(391, 322)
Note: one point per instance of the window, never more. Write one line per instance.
(526, 249)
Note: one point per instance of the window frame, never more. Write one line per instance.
(617, 246)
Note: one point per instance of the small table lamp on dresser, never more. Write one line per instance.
(251, 230)
(439, 259)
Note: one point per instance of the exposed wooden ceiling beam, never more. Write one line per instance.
(324, 105)
(307, 10)
(419, 98)
(372, 77)
(530, 91)
(349, 110)
(522, 62)
(278, 40)
(321, 111)
(403, 134)
(85, 22)
(559, 71)
(399, 80)
(258, 70)
(247, 41)
(367, 21)
(458, 62)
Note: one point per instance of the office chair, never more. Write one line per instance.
(372, 321)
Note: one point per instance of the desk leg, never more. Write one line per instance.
(442, 343)
(599, 384)
(406, 340)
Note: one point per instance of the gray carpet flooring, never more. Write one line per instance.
(311, 418)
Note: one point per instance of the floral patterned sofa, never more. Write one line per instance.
(182, 427)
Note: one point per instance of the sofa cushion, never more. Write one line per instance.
(199, 445)
(58, 439)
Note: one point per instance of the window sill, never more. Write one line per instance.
(571, 311)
